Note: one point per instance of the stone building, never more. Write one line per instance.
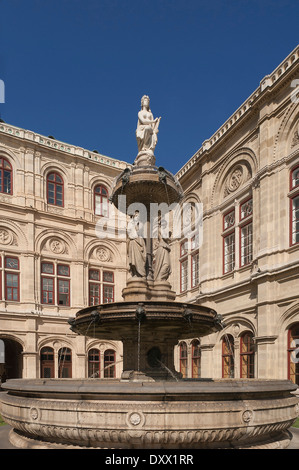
(246, 267)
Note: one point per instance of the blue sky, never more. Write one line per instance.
(77, 69)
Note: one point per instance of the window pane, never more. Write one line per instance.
(63, 292)
(295, 220)
(107, 276)
(47, 290)
(195, 270)
(229, 220)
(246, 209)
(295, 178)
(229, 253)
(94, 274)
(63, 270)
(246, 244)
(108, 294)
(47, 268)
(7, 182)
(184, 275)
(11, 263)
(94, 294)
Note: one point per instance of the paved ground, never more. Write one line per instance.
(5, 444)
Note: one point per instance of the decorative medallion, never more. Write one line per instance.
(135, 419)
(295, 140)
(103, 254)
(6, 237)
(34, 413)
(239, 174)
(57, 246)
(247, 416)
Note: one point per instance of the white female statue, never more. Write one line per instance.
(146, 133)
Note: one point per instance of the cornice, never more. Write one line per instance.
(268, 84)
(44, 142)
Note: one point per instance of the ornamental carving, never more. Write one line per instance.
(247, 416)
(6, 237)
(239, 175)
(103, 254)
(295, 140)
(57, 246)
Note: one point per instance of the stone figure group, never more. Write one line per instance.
(137, 252)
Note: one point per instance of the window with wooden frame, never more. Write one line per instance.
(5, 176)
(293, 353)
(228, 241)
(101, 286)
(101, 200)
(55, 279)
(194, 262)
(245, 232)
(294, 206)
(196, 358)
(184, 266)
(65, 363)
(93, 363)
(55, 189)
(47, 363)
(247, 356)
(183, 359)
(228, 357)
(11, 279)
(109, 364)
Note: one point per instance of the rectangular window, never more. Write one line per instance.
(47, 268)
(63, 270)
(47, 290)
(108, 294)
(12, 286)
(229, 220)
(229, 252)
(195, 269)
(94, 294)
(184, 275)
(246, 244)
(295, 220)
(63, 292)
(246, 209)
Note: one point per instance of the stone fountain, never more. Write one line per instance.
(150, 406)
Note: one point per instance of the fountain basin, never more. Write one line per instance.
(149, 331)
(203, 413)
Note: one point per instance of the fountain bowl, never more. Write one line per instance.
(110, 413)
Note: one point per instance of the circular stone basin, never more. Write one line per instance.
(109, 413)
(120, 320)
(146, 184)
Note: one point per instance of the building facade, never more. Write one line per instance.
(245, 267)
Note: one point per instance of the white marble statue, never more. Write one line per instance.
(146, 133)
(136, 247)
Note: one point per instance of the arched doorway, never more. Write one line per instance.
(12, 365)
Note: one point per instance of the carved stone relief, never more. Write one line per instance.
(238, 175)
(103, 254)
(7, 237)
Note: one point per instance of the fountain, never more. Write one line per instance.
(151, 406)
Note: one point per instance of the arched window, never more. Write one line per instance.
(294, 206)
(183, 359)
(228, 357)
(293, 356)
(109, 363)
(65, 363)
(94, 363)
(247, 356)
(55, 192)
(5, 176)
(196, 356)
(47, 363)
(100, 200)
